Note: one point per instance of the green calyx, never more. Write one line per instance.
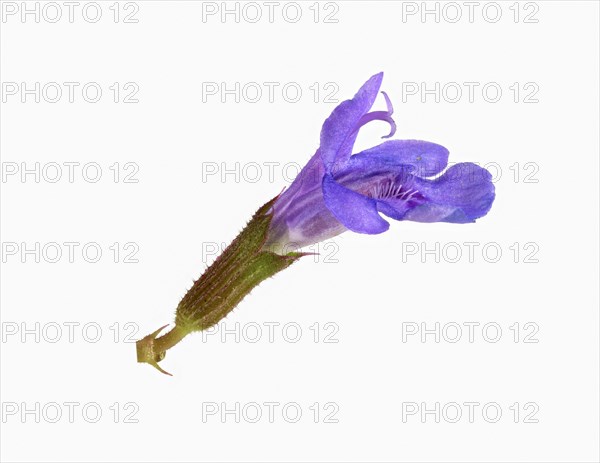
(242, 266)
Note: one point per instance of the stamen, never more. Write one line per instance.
(388, 103)
(380, 116)
(388, 189)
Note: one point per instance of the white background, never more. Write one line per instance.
(371, 289)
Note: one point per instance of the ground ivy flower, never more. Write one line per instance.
(336, 191)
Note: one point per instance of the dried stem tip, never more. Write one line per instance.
(152, 349)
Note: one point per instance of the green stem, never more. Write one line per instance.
(152, 349)
(242, 266)
(167, 341)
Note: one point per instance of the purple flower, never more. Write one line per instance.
(337, 191)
